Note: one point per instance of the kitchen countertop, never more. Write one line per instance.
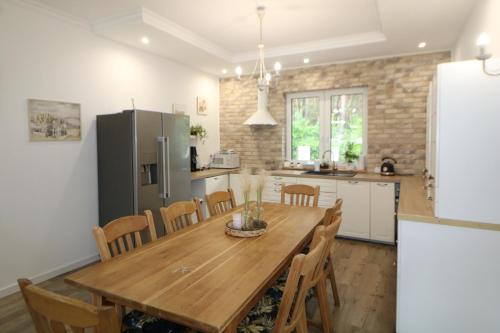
(413, 203)
(371, 177)
(195, 175)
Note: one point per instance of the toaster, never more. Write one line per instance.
(225, 159)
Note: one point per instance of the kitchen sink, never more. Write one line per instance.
(332, 173)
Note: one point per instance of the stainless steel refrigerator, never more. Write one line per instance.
(143, 163)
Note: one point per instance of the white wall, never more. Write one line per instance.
(484, 18)
(447, 279)
(48, 191)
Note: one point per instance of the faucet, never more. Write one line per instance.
(334, 165)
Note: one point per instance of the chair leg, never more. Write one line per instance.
(333, 282)
(302, 323)
(323, 304)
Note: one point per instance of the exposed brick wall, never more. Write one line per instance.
(397, 95)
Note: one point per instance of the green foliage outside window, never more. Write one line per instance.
(346, 124)
(305, 125)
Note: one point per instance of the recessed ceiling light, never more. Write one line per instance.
(145, 40)
(306, 60)
(422, 45)
(224, 71)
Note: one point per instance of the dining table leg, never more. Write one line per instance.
(96, 300)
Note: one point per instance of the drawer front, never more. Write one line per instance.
(325, 185)
(217, 183)
(326, 199)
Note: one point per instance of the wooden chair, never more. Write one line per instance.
(292, 311)
(332, 213)
(116, 233)
(325, 271)
(52, 313)
(220, 202)
(300, 195)
(178, 215)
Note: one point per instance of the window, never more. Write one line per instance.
(326, 122)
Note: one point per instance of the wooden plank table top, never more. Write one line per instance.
(199, 276)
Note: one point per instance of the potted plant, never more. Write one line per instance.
(350, 154)
(199, 132)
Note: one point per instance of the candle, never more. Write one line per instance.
(237, 221)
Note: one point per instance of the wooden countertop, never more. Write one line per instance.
(413, 203)
(211, 173)
(370, 177)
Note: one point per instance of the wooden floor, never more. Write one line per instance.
(366, 278)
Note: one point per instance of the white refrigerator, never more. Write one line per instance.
(464, 139)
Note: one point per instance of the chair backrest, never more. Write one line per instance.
(329, 232)
(52, 313)
(220, 202)
(331, 214)
(300, 195)
(115, 238)
(178, 215)
(291, 312)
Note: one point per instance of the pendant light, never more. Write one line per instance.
(262, 115)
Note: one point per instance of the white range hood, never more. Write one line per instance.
(262, 115)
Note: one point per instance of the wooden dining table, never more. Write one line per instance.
(200, 277)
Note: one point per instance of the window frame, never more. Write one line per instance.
(324, 118)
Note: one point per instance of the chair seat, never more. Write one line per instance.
(139, 322)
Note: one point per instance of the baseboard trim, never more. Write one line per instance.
(12, 288)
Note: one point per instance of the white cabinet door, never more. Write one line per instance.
(382, 222)
(327, 190)
(236, 185)
(355, 209)
(217, 183)
(272, 190)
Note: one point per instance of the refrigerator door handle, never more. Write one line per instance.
(167, 190)
(161, 167)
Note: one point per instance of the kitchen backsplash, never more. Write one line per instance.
(397, 97)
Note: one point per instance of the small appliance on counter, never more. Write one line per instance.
(194, 159)
(387, 167)
(225, 159)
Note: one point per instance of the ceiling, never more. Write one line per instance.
(216, 34)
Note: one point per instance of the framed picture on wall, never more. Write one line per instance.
(54, 121)
(201, 106)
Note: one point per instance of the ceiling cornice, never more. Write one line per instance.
(51, 11)
(148, 17)
(315, 46)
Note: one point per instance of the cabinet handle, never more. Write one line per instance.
(382, 184)
(353, 182)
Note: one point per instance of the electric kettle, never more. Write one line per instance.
(387, 167)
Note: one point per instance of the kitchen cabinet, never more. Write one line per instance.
(382, 211)
(217, 183)
(272, 189)
(327, 190)
(202, 187)
(235, 184)
(355, 208)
